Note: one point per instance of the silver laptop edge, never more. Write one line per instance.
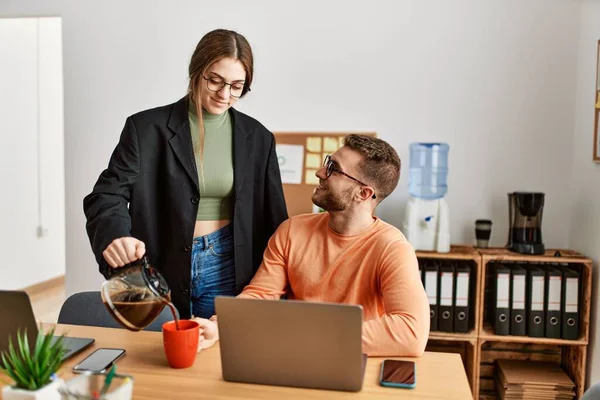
(17, 315)
(291, 343)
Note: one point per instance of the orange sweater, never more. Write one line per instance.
(376, 268)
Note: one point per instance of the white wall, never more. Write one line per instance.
(32, 212)
(496, 80)
(585, 191)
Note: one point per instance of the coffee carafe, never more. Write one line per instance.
(136, 294)
(525, 211)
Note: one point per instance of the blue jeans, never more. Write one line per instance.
(213, 270)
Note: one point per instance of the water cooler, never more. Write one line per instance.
(426, 220)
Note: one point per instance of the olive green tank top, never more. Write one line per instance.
(215, 170)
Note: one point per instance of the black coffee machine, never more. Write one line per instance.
(525, 222)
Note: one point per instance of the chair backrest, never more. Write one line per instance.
(87, 308)
(593, 392)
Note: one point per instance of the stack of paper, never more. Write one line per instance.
(532, 380)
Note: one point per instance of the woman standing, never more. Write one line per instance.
(194, 184)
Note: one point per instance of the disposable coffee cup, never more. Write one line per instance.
(483, 231)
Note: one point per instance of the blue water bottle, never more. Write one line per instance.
(428, 170)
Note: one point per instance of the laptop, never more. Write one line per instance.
(16, 315)
(291, 343)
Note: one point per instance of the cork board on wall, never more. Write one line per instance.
(300, 156)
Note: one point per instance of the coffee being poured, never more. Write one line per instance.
(136, 295)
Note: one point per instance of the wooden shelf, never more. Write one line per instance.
(503, 254)
(487, 334)
(455, 337)
(570, 257)
(571, 358)
(456, 253)
(481, 346)
(460, 253)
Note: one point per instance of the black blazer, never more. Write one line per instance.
(150, 191)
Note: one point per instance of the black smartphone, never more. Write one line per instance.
(398, 373)
(99, 361)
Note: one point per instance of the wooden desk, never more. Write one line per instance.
(439, 375)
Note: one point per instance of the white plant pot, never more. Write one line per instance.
(48, 392)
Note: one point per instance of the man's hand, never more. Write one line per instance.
(123, 251)
(209, 333)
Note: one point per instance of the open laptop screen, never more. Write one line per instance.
(16, 315)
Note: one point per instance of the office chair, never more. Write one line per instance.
(87, 308)
(593, 392)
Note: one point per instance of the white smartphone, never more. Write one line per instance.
(99, 361)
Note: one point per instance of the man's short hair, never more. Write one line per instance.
(380, 167)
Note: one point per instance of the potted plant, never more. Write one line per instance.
(32, 371)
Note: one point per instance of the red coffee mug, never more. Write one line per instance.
(181, 346)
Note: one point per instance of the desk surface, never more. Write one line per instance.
(439, 375)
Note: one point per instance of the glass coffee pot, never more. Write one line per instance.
(136, 295)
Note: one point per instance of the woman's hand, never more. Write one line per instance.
(209, 333)
(123, 251)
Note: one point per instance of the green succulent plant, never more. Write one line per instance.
(31, 369)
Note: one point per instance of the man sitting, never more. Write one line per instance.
(347, 255)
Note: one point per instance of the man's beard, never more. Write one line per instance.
(331, 201)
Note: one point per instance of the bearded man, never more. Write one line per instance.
(348, 255)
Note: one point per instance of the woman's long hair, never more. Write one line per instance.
(215, 45)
